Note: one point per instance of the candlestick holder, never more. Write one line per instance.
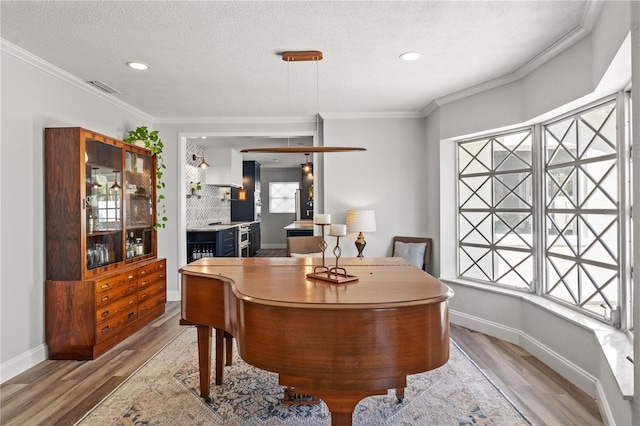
(323, 248)
(336, 274)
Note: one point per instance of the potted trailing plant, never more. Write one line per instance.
(152, 142)
(196, 187)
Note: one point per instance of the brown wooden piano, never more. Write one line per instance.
(339, 342)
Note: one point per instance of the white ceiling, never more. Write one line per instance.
(220, 59)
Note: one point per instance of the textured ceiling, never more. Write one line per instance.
(220, 58)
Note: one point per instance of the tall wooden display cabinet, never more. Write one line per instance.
(104, 280)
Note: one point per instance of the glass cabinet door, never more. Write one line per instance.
(104, 233)
(138, 196)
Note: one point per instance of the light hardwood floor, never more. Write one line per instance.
(61, 392)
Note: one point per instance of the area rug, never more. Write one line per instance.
(164, 391)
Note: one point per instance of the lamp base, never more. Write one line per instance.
(360, 244)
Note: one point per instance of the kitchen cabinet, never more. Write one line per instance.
(227, 242)
(254, 238)
(249, 210)
(218, 243)
(103, 278)
(306, 195)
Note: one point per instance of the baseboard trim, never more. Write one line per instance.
(173, 296)
(22, 362)
(576, 375)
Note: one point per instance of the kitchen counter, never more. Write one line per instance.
(216, 227)
(299, 228)
(305, 225)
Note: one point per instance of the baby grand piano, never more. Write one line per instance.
(339, 342)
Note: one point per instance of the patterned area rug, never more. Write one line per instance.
(164, 391)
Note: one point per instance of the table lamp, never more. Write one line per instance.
(361, 221)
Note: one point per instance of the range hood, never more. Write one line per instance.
(225, 167)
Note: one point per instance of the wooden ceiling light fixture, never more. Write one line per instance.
(298, 56)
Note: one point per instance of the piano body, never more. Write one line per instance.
(339, 342)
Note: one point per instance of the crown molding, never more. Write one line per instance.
(589, 18)
(234, 120)
(36, 62)
(369, 115)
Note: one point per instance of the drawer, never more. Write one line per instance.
(152, 290)
(106, 329)
(123, 290)
(149, 269)
(153, 278)
(113, 309)
(110, 283)
(152, 302)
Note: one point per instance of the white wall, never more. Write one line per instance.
(390, 178)
(576, 74)
(35, 96)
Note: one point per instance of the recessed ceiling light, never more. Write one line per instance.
(410, 56)
(138, 66)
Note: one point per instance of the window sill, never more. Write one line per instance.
(616, 345)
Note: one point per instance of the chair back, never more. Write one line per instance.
(427, 251)
(304, 245)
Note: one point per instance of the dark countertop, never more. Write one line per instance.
(216, 227)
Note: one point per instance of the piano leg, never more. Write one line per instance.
(400, 394)
(204, 359)
(219, 355)
(228, 340)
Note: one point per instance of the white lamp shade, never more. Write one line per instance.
(361, 220)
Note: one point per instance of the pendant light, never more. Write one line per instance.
(95, 183)
(116, 186)
(297, 56)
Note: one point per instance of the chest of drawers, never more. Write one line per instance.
(86, 318)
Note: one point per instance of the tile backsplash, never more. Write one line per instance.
(210, 206)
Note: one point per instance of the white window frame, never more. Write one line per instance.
(621, 318)
(273, 208)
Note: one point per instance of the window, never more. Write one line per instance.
(495, 218)
(282, 197)
(582, 209)
(555, 224)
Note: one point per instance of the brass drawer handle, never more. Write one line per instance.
(105, 314)
(105, 285)
(104, 299)
(104, 329)
(130, 277)
(131, 302)
(131, 288)
(131, 315)
(143, 272)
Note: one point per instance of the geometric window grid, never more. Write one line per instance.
(495, 209)
(282, 197)
(581, 210)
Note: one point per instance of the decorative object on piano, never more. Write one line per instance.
(322, 220)
(361, 221)
(336, 274)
